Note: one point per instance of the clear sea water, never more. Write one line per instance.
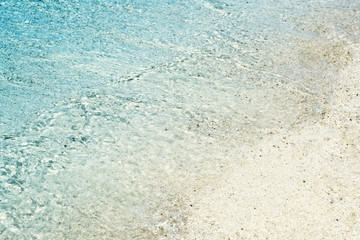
(110, 109)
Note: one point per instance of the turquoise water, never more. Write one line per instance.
(108, 109)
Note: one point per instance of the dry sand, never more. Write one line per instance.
(302, 183)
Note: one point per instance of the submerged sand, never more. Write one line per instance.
(251, 130)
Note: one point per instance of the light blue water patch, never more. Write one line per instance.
(106, 107)
(56, 48)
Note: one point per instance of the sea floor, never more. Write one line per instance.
(180, 120)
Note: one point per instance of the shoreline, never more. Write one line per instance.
(241, 122)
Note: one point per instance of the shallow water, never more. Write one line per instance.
(110, 110)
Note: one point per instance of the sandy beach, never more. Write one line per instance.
(299, 183)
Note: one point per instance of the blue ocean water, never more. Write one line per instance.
(108, 108)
